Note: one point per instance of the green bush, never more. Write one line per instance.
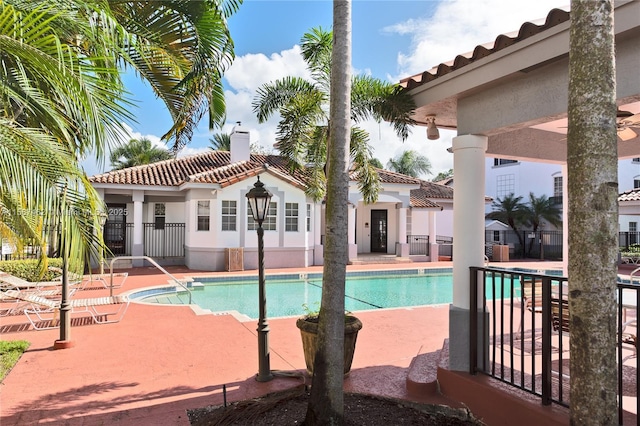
(28, 269)
(633, 248)
(10, 353)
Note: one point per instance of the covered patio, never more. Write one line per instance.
(508, 99)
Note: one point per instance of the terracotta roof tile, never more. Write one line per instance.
(632, 195)
(213, 167)
(207, 167)
(528, 29)
(387, 176)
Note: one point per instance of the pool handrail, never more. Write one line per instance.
(150, 260)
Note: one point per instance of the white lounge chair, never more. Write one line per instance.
(106, 280)
(43, 313)
(48, 289)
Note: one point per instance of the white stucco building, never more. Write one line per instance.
(192, 210)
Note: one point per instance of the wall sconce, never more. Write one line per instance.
(432, 130)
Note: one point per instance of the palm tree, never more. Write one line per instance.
(592, 164)
(410, 163)
(181, 48)
(512, 211)
(303, 130)
(540, 209)
(61, 96)
(326, 403)
(220, 142)
(136, 153)
(443, 175)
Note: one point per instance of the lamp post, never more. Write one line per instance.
(103, 220)
(259, 199)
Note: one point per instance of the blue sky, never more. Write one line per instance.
(391, 40)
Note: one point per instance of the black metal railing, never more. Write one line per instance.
(159, 241)
(164, 241)
(418, 244)
(626, 239)
(445, 246)
(520, 333)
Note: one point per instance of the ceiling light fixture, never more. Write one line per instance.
(432, 131)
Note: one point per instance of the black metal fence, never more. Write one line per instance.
(165, 241)
(543, 245)
(162, 241)
(445, 248)
(626, 239)
(418, 244)
(520, 334)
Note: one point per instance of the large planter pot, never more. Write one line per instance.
(309, 332)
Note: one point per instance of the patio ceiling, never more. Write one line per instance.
(515, 90)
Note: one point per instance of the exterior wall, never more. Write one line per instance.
(538, 178)
(363, 226)
(205, 249)
(444, 221)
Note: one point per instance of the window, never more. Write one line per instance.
(308, 217)
(496, 236)
(636, 182)
(502, 161)
(636, 160)
(505, 185)
(557, 186)
(159, 215)
(203, 215)
(228, 215)
(633, 233)
(269, 223)
(291, 217)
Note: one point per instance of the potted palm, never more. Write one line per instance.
(308, 325)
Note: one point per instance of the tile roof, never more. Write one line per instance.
(528, 29)
(422, 197)
(207, 167)
(213, 167)
(632, 195)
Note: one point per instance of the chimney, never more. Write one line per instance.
(240, 150)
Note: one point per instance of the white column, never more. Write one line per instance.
(433, 245)
(351, 232)
(402, 247)
(565, 221)
(468, 241)
(138, 227)
(468, 212)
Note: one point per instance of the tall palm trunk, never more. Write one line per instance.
(326, 405)
(593, 213)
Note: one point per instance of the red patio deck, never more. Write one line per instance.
(160, 361)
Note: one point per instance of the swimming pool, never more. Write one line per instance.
(288, 294)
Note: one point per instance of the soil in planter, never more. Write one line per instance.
(290, 407)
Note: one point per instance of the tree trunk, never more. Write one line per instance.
(326, 405)
(592, 163)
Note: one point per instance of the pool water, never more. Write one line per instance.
(288, 297)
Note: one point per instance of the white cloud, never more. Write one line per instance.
(458, 26)
(93, 165)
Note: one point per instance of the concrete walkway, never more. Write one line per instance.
(160, 361)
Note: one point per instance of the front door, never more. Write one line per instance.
(115, 228)
(379, 231)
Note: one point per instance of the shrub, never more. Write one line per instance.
(28, 269)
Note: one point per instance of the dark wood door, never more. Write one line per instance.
(379, 231)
